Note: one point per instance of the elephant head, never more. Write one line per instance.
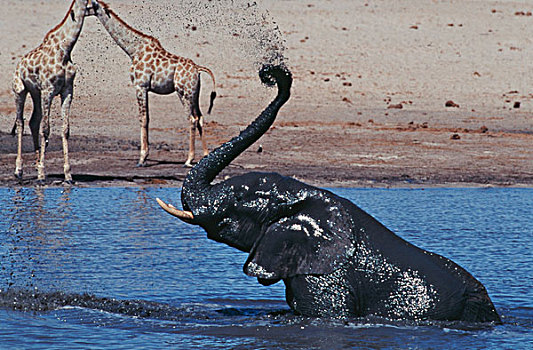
(334, 258)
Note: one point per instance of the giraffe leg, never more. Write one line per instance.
(201, 131)
(192, 136)
(20, 99)
(35, 122)
(195, 110)
(191, 101)
(66, 100)
(142, 100)
(44, 132)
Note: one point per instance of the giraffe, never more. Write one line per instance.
(45, 72)
(153, 69)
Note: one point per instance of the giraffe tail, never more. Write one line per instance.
(213, 92)
(14, 129)
(211, 100)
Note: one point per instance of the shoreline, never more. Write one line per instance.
(104, 181)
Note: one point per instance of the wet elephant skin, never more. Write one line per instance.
(335, 259)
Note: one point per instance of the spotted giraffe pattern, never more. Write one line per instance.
(45, 72)
(153, 69)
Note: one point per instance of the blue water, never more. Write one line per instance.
(115, 243)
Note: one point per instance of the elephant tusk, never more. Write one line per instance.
(180, 214)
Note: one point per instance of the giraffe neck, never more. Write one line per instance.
(66, 33)
(128, 38)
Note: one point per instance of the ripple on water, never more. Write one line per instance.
(188, 292)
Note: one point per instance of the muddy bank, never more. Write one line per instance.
(363, 154)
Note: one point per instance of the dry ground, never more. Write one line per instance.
(355, 63)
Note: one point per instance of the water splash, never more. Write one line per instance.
(34, 300)
(234, 28)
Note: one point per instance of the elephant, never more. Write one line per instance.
(334, 259)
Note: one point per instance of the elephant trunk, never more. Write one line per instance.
(199, 178)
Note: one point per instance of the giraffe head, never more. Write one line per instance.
(90, 10)
(97, 8)
(79, 9)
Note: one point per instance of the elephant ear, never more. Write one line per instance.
(317, 239)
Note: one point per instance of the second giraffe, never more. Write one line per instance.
(153, 69)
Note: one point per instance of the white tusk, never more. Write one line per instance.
(180, 214)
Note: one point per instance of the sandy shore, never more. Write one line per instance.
(368, 106)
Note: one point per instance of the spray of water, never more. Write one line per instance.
(259, 36)
(231, 29)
